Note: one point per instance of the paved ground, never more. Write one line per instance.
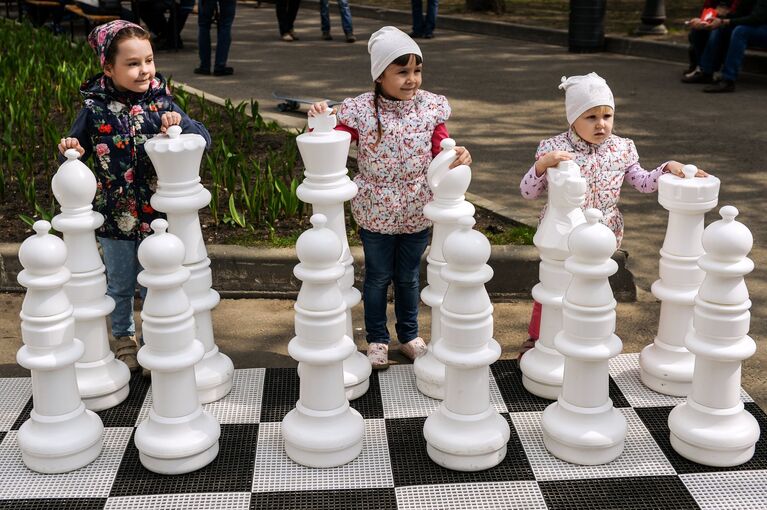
(505, 99)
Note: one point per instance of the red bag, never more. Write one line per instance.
(708, 14)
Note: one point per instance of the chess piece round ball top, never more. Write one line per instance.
(319, 246)
(466, 247)
(161, 252)
(42, 253)
(174, 131)
(447, 144)
(592, 240)
(74, 184)
(689, 171)
(727, 239)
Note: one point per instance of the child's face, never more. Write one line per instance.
(401, 82)
(595, 125)
(133, 68)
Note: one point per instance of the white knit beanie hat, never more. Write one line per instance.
(585, 92)
(386, 45)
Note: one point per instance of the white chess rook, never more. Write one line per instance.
(582, 426)
(101, 378)
(466, 433)
(666, 364)
(322, 431)
(178, 436)
(61, 434)
(176, 159)
(712, 427)
(543, 366)
(326, 186)
(448, 206)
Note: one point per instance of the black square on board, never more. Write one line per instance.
(349, 499)
(53, 504)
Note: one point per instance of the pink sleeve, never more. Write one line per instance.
(642, 180)
(355, 134)
(532, 185)
(440, 133)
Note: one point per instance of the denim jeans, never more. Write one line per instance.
(397, 258)
(424, 25)
(742, 37)
(226, 10)
(346, 15)
(121, 261)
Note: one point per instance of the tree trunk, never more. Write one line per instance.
(496, 6)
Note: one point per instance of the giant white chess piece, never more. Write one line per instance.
(101, 378)
(712, 427)
(178, 436)
(326, 187)
(322, 431)
(542, 367)
(448, 206)
(176, 159)
(61, 434)
(466, 433)
(583, 427)
(666, 366)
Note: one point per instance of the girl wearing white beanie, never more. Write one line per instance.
(398, 128)
(605, 160)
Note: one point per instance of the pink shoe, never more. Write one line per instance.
(413, 349)
(378, 355)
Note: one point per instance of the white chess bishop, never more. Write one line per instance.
(61, 434)
(176, 159)
(101, 378)
(466, 433)
(583, 427)
(543, 366)
(712, 427)
(449, 205)
(178, 436)
(326, 186)
(322, 431)
(666, 364)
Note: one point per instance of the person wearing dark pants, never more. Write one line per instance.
(423, 26)
(226, 10)
(287, 10)
(346, 20)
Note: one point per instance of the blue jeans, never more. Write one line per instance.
(397, 258)
(741, 37)
(121, 261)
(226, 10)
(424, 25)
(346, 15)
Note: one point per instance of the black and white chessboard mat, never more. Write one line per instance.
(252, 471)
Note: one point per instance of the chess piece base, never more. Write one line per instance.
(106, 401)
(430, 374)
(102, 384)
(357, 372)
(667, 371)
(323, 439)
(715, 437)
(585, 436)
(543, 371)
(214, 374)
(179, 466)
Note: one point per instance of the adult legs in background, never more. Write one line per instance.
(226, 11)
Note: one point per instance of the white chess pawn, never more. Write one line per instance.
(326, 186)
(666, 364)
(61, 434)
(543, 366)
(176, 159)
(322, 431)
(448, 206)
(466, 433)
(178, 436)
(583, 427)
(712, 427)
(101, 379)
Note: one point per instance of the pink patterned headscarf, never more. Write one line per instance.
(101, 37)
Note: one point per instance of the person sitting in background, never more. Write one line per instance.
(698, 36)
(743, 27)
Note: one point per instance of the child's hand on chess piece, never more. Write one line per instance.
(169, 119)
(463, 157)
(550, 159)
(71, 143)
(675, 168)
(319, 108)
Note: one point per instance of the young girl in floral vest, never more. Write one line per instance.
(398, 129)
(125, 106)
(605, 160)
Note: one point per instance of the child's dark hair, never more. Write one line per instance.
(378, 91)
(122, 35)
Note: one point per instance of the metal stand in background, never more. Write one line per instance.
(653, 17)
